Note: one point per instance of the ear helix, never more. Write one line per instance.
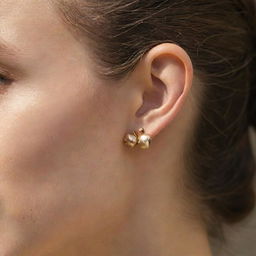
(138, 138)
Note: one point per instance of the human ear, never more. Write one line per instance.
(165, 77)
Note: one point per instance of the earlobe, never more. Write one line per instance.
(169, 80)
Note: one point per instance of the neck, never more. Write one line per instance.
(159, 224)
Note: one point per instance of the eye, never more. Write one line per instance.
(4, 83)
(4, 79)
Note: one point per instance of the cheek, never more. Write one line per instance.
(40, 129)
(54, 159)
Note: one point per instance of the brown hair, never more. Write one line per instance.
(219, 36)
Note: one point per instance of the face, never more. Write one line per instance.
(62, 172)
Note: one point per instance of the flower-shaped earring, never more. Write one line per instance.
(138, 138)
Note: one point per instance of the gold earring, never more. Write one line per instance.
(144, 139)
(138, 138)
(130, 140)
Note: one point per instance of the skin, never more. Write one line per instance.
(68, 185)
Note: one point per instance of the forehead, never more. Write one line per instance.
(26, 14)
(33, 27)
